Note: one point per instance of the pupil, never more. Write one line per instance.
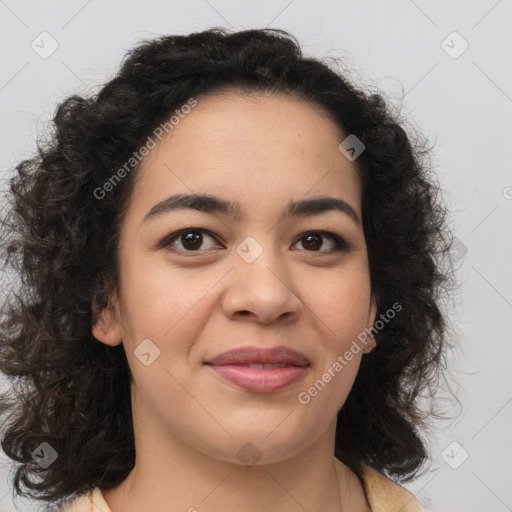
(192, 239)
(313, 245)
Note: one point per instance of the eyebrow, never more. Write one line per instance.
(212, 205)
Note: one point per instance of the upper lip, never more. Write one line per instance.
(252, 354)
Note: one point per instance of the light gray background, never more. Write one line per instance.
(464, 104)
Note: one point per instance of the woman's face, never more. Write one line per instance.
(253, 280)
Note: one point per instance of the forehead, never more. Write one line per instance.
(252, 122)
(251, 146)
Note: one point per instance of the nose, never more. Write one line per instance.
(261, 291)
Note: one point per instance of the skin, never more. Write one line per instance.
(262, 150)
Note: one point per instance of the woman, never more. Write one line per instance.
(232, 273)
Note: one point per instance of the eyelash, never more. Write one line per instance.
(340, 245)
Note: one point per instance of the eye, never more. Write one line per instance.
(313, 240)
(190, 239)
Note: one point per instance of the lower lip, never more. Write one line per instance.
(260, 380)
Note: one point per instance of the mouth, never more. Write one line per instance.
(263, 366)
(260, 370)
(256, 355)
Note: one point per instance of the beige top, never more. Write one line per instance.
(383, 494)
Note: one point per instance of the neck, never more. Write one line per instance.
(170, 475)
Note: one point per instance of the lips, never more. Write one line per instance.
(260, 370)
(254, 355)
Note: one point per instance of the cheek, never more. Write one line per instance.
(168, 307)
(342, 303)
(170, 310)
(330, 388)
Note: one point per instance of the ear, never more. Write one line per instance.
(107, 327)
(372, 315)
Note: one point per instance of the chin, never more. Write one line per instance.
(257, 446)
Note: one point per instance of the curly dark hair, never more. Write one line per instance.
(72, 391)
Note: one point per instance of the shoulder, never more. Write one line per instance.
(92, 501)
(384, 495)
